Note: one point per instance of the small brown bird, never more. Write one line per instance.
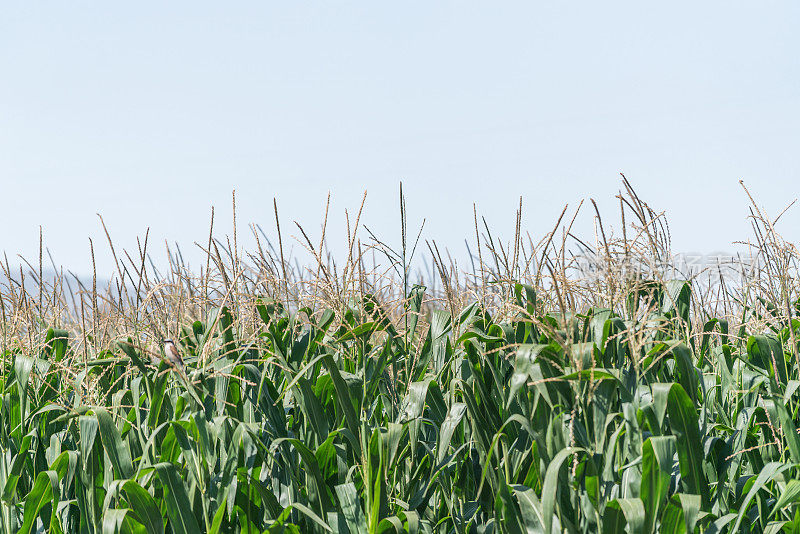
(171, 351)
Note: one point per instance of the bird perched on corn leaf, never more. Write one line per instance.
(172, 353)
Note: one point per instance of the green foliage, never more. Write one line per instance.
(345, 421)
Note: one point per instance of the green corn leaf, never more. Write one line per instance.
(789, 495)
(116, 521)
(769, 472)
(624, 515)
(112, 443)
(681, 514)
(550, 486)
(684, 422)
(351, 508)
(181, 516)
(44, 491)
(657, 460)
(144, 506)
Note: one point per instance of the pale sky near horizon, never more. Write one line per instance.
(150, 113)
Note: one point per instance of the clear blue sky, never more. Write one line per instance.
(150, 113)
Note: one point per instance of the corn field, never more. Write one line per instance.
(516, 396)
